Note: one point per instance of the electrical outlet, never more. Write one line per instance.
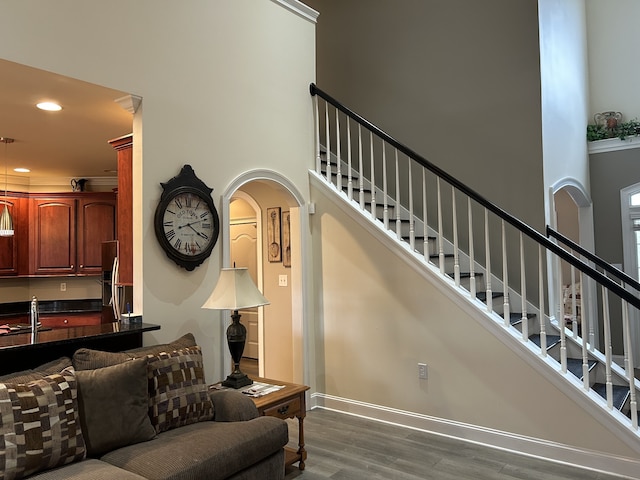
(422, 371)
(63, 287)
(282, 280)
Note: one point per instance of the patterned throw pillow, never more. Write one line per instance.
(39, 426)
(178, 394)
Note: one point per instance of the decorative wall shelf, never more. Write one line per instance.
(613, 144)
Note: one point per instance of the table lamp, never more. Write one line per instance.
(234, 291)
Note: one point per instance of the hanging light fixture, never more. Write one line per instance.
(6, 223)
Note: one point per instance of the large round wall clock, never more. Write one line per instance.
(186, 221)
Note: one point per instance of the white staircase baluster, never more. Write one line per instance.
(543, 322)
(412, 220)
(523, 292)
(472, 261)
(487, 247)
(317, 120)
(425, 226)
(456, 254)
(349, 174)
(397, 209)
(560, 318)
(328, 141)
(607, 345)
(440, 235)
(628, 345)
(385, 193)
(360, 169)
(586, 314)
(373, 178)
(585, 347)
(574, 303)
(505, 279)
(338, 153)
(628, 366)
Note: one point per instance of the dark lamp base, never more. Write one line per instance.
(237, 380)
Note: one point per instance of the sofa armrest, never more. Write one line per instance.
(232, 406)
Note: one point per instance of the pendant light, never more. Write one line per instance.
(6, 223)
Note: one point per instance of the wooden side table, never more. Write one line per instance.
(288, 402)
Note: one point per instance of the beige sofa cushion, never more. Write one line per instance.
(211, 450)
(89, 469)
(114, 406)
(39, 425)
(88, 359)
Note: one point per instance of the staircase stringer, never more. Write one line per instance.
(511, 337)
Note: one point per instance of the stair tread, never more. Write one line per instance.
(437, 255)
(552, 340)
(620, 393)
(516, 317)
(416, 237)
(483, 295)
(574, 365)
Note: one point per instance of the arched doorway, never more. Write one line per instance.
(282, 332)
(573, 217)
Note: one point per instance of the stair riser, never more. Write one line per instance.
(419, 247)
(465, 282)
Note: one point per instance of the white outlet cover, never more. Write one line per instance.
(282, 280)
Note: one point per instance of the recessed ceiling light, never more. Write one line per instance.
(49, 106)
(21, 170)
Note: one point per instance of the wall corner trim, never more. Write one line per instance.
(613, 144)
(299, 9)
(520, 444)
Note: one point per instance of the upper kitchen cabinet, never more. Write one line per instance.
(96, 224)
(66, 232)
(14, 253)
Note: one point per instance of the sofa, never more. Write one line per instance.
(140, 414)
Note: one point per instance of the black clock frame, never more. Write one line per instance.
(185, 182)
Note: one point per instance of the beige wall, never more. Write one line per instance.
(381, 318)
(22, 289)
(278, 339)
(224, 87)
(614, 69)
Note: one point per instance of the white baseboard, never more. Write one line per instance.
(534, 447)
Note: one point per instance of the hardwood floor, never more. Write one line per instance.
(345, 447)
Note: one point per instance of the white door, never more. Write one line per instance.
(244, 244)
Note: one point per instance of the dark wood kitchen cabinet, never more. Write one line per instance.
(96, 224)
(66, 232)
(14, 251)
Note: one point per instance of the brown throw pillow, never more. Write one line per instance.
(178, 394)
(39, 426)
(114, 405)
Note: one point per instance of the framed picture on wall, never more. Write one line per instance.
(273, 234)
(286, 239)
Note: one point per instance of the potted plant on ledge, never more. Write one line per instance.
(610, 125)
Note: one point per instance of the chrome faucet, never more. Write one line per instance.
(33, 318)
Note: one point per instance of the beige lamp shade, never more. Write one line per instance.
(235, 290)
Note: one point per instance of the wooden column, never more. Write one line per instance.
(124, 149)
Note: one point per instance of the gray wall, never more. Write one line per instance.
(457, 81)
(610, 172)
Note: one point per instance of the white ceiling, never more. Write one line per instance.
(70, 143)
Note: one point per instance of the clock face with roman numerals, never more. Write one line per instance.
(186, 221)
(188, 224)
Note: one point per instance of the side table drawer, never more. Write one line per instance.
(286, 409)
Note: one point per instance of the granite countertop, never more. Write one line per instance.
(51, 306)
